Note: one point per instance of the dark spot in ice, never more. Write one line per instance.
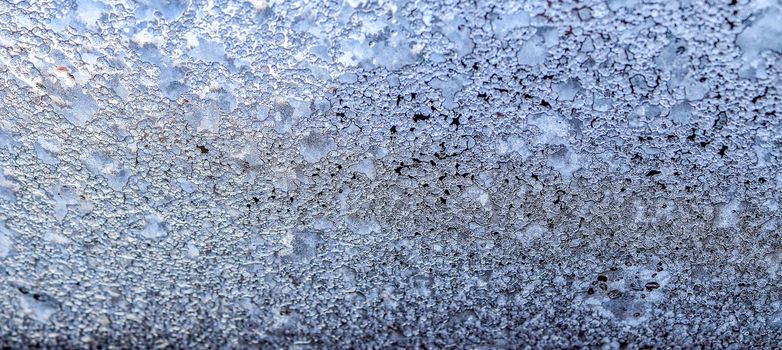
(652, 286)
(757, 98)
(419, 117)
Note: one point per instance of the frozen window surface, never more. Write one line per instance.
(390, 174)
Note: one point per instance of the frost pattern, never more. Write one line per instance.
(390, 174)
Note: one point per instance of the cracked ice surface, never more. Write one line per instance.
(390, 174)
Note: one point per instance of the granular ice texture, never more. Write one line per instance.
(390, 174)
